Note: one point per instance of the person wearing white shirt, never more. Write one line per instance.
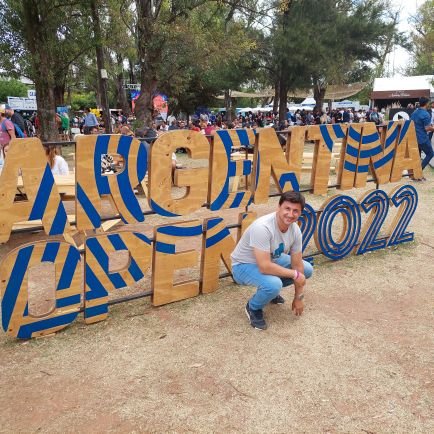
(57, 163)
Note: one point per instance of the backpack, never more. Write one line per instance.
(18, 131)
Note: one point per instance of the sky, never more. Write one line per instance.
(399, 58)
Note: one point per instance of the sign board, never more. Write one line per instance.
(31, 93)
(18, 103)
(217, 184)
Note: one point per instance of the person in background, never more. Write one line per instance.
(423, 126)
(7, 133)
(90, 120)
(57, 163)
(126, 130)
(15, 117)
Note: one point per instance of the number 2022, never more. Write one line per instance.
(375, 204)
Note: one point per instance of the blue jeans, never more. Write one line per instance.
(426, 147)
(268, 286)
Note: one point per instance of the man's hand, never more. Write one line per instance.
(297, 306)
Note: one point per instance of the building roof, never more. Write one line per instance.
(333, 92)
(403, 87)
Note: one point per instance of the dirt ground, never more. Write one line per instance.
(360, 359)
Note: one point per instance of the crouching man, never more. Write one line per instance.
(269, 256)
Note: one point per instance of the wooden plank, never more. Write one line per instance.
(217, 244)
(167, 260)
(160, 179)
(100, 280)
(28, 156)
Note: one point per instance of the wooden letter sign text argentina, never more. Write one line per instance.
(216, 185)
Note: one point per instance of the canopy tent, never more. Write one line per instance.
(333, 92)
(403, 88)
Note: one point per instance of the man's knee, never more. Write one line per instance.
(272, 286)
(308, 269)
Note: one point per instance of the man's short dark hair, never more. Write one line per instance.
(423, 101)
(293, 197)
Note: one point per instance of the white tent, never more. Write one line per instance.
(309, 101)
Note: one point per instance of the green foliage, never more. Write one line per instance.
(12, 88)
(423, 41)
(81, 100)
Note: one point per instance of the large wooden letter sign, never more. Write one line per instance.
(204, 245)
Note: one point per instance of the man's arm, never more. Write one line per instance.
(267, 266)
(11, 130)
(297, 264)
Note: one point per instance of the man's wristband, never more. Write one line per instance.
(297, 274)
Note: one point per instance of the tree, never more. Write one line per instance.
(40, 40)
(423, 40)
(12, 88)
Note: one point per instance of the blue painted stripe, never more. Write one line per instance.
(355, 135)
(350, 166)
(142, 162)
(71, 262)
(404, 131)
(232, 168)
(96, 310)
(165, 248)
(363, 168)
(227, 142)
(352, 151)
(50, 252)
(26, 310)
(14, 284)
(291, 178)
(370, 138)
(125, 188)
(178, 231)
(102, 257)
(43, 194)
(377, 150)
(133, 268)
(211, 241)
(101, 147)
(365, 153)
(27, 330)
(243, 137)
(59, 222)
(97, 289)
(88, 207)
(384, 160)
(390, 139)
(339, 131)
(161, 211)
(117, 242)
(326, 136)
(212, 223)
(68, 301)
(247, 167)
(142, 237)
(238, 198)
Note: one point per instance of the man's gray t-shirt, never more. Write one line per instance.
(264, 234)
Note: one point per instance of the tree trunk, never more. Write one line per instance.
(318, 94)
(228, 105)
(39, 38)
(121, 100)
(59, 93)
(149, 54)
(283, 100)
(276, 96)
(102, 81)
